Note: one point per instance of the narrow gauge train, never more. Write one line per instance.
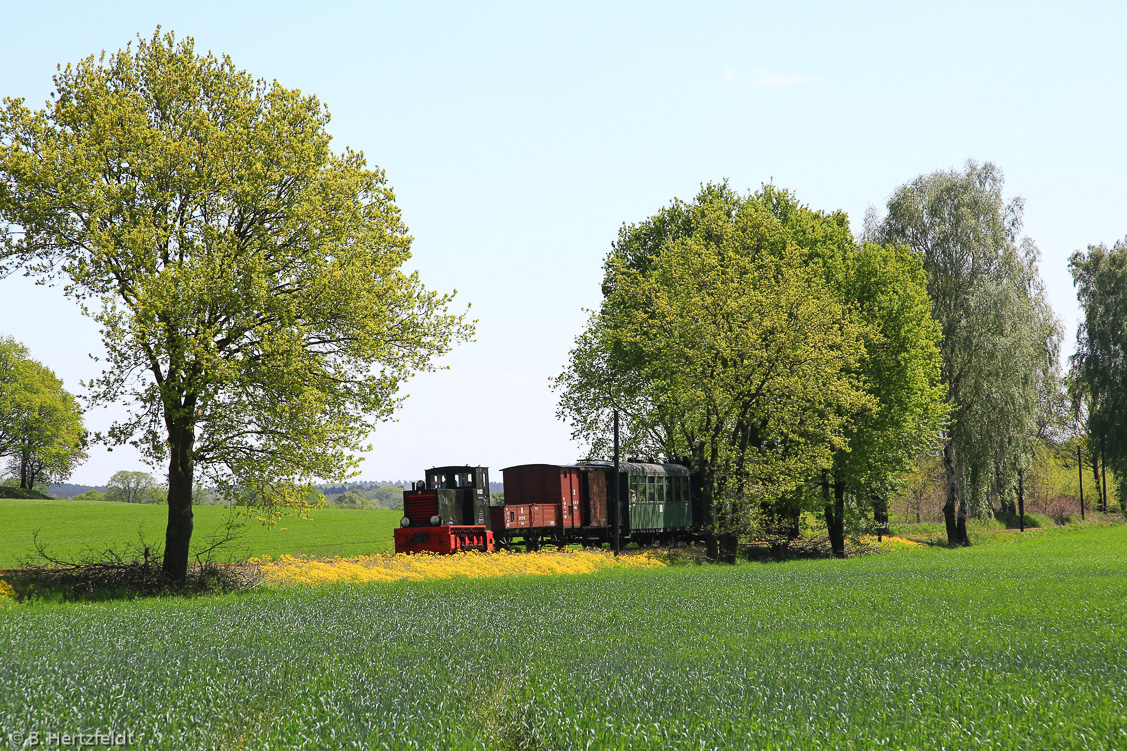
(546, 504)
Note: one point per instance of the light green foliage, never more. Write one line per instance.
(350, 499)
(1099, 367)
(41, 432)
(90, 495)
(134, 487)
(1025, 637)
(1000, 337)
(383, 497)
(720, 343)
(754, 337)
(248, 280)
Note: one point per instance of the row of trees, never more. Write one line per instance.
(756, 338)
(129, 487)
(797, 368)
(42, 439)
(1099, 366)
(386, 496)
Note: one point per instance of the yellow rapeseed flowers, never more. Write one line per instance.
(382, 568)
(890, 542)
(7, 595)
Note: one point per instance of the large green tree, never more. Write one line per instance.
(1099, 366)
(887, 289)
(41, 431)
(1000, 337)
(720, 343)
(133, 487)
(247, 279)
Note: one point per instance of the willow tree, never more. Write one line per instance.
(247, 279)
(1000, 337)
(1099, 366)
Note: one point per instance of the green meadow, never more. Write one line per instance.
(1014, 644)
(71, 528)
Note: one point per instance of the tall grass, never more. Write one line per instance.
(1015, 645)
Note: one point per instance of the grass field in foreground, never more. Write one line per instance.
(1012, 645)
(71, 527)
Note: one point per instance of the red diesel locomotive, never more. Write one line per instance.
(545, 504)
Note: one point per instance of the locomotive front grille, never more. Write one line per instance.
(421, 507)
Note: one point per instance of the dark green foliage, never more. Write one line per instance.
(10, 492)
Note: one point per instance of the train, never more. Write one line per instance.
(548, 504)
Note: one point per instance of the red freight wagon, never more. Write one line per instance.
(547, 484)
(510, 516)
(543, 515)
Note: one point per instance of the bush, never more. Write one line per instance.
(10, 492)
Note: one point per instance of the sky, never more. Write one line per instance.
(519, 137)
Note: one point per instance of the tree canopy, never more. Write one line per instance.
(133, 487)
(1000, 339)
(41, 430)
(735, 332)
(247, 279)
(1099, 366)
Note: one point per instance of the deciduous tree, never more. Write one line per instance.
(1099, 366)
(133, 487)
(247, 279)
(887, 289)
(41, 431)
(719, 343)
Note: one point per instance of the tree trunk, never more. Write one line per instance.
(952, 493)
(181, 442)
(25, 460)
(835, 515)
(729, 547)
(961, 537)
(880, 515)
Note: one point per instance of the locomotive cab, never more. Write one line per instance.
(446, 512)
(463, 494)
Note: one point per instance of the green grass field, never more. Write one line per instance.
(70, 528)
(1018, 644)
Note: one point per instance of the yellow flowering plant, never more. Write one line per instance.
(384, 568)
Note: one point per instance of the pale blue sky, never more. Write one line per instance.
(520, 136)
